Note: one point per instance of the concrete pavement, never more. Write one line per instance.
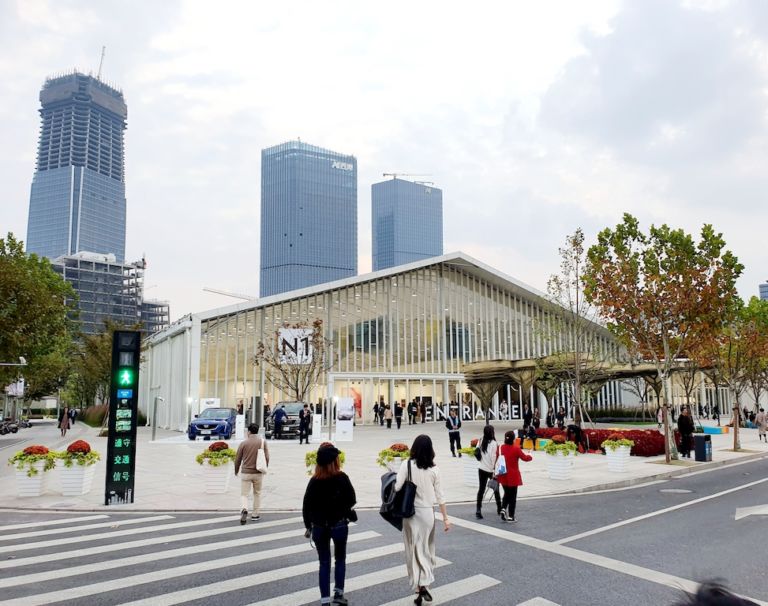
(169, 479)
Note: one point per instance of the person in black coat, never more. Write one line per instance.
(453, 425)
(327, 511)
(305, 418)
(527, 416)
(685, 427)
(398, 414)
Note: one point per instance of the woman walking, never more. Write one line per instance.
(388, 416)
(419, 530)
(327, 510)
(489, 452)
(686, 428)
(512, 478)
(64, 421)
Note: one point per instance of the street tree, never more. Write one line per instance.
(660, 292)
(36, 310)
(295, 357)
(578, 347)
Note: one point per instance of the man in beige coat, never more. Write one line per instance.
(251, 477)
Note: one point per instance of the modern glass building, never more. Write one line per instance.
(398, 334)
(764, 291)
(407, 222)
(77, 202)
(308, 217)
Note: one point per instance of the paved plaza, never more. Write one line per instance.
(169, 479)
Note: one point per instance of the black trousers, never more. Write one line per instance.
(389, 423)
(484, 476)
(278, 432)
(509, 502)
(411, 418)
(686, 442)
(455, 438)
(303, 434)
(399, 421)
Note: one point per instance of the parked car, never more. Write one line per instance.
(219, 422)
(291, 424)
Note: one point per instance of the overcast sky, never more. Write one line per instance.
(535, 118)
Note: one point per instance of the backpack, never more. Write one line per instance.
(388, 494)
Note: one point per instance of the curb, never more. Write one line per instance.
(710, 466)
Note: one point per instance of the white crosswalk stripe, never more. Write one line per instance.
(218, 561)
(53, 522)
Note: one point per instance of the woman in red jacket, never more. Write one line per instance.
(511, 479)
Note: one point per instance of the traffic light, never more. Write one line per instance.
(126, 377)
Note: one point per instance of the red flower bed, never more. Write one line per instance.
(79, 447)
(35, 450)
(399, 447)
(648, 442)
(216, 446)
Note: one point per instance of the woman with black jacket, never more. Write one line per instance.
(327, 510)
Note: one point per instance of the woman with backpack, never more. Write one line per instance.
(327, 511)
(511, 477)
(489, 452)
(419, 529)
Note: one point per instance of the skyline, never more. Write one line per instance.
(531, 126)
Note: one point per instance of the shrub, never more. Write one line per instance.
(556, 446)
(310, 458)
(94, 415)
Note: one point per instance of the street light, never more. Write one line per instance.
(22, 362)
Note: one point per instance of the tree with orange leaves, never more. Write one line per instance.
(660, 292)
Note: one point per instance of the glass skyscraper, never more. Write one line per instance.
(308, 217)
(407, 222)
(77, 202)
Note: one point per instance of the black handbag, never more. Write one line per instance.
(405, 499)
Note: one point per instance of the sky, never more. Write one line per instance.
(535, 118)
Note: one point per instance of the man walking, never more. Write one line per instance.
(412, 412)
(375, 413)
(453, 424)
(279, 417)
(399, 413)
(247, 460)
(305, 418)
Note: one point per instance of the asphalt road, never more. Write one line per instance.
(637, 546)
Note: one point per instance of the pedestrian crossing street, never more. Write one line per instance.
(161, 560)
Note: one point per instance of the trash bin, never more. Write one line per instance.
(702, 445)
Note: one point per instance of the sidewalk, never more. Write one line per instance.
(169, 479)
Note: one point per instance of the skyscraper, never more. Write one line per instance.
(407, 222)
(763, 291)
(77, 202)
(308, 217)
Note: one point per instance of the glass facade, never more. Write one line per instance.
(407, 222)
(77, 201)
(308, 217)
(402, 336)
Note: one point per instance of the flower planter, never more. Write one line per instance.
(76, 480)
(33, 486)
(394, 464)
(618, 458)
(470, 471)
(560, 466)
(217, 478)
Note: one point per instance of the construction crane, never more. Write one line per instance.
(101, 63)
(227, 293)
(396, 175)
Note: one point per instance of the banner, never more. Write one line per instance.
(294, 345)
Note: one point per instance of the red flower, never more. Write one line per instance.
(79, 447)
(35, 450)
(473, 442)
(216, 446)
(558, 439)
(399, 447)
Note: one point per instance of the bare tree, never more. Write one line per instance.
(295, 357)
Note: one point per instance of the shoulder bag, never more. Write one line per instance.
(405, 499)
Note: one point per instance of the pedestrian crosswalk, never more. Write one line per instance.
(164, 560)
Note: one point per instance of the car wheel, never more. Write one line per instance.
(191, 437)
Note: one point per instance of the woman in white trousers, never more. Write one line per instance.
(419, 530)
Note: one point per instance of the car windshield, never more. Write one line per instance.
(292, 408)
(216, 413)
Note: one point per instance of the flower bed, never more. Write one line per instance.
(79, 452)
(648, 442)
(395, 451)
(27, 458)
(218, 453)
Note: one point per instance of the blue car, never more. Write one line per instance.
(218, 422)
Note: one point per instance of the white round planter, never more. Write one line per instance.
(618, 459)
(470, 471)
(560, 466)
(33, 486)
(76, 480)
(217, 478)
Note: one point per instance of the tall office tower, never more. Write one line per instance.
(77, 201)
(308, 217)
(407, 222)
(764, 291)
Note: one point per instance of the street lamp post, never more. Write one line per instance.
(154, 416)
